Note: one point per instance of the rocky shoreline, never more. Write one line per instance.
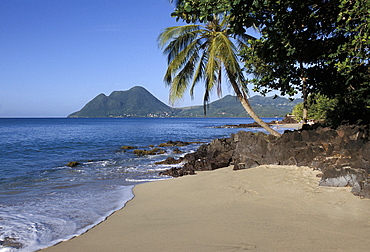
(286, 120)
(342, 154)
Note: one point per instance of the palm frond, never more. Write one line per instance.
(197, 53)
(182, 78)
(172, 33)
(190, 53)
(212, 67)
(199, 73)
(206, 99)
(179, 44)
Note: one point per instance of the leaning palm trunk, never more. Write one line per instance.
(252, 114)
(246, 105)
(198, 53)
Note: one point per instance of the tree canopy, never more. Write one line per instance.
(319, 106)
(204, 54)
(313, 46)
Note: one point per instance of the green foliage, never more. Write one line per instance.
(312, 46)
(203, 11)
(136, 102)
(199, 53)
(351, 59)
(296, 36)
(298, 112)
(353, 23)
(204, 54)
(319, 107)
(229, 106)
(351, 108)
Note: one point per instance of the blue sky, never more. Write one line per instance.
(56, 55)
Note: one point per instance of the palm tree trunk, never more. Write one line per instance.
(258, 120)
(246, 105)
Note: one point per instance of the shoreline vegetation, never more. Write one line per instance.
(266, 208)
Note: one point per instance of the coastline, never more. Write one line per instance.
(290, 125)
(256, 125)
(267, 208)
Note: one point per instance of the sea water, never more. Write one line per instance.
(43, 201)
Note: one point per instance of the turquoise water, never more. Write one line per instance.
(43, 201)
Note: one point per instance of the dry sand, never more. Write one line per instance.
(267, 208)
(290, 125)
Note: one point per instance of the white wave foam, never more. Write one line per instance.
(47, 222)
(145, 180)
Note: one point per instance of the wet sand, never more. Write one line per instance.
(267, 208)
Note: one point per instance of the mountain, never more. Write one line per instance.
(136, 102)
(229, 106)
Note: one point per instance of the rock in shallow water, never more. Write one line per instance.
(11, 243)
(73, 163)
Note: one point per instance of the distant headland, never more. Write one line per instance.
(139, 102)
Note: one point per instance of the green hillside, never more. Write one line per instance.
(229, 106)
(136, 102)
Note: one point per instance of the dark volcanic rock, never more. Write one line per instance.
(173, 143)
(286, 120)
(212, 156)
(250, 149)
(73, 164)
(127, 147)
(343, 154)
(177, 151)
(154, 151)
(343, 176)
(176, 172)
(170, 160)
(8, 242)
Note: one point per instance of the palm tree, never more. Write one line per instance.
(199, 53)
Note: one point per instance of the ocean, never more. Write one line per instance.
(43, 201)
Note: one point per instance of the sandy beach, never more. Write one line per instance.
(290, 125)
(267, 208)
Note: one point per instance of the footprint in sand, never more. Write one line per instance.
(244, 190)
(238, 247)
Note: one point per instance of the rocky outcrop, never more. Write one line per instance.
(173, 143)
(177, 151)
(153, 151)
(127, 147)
(176, 172)
(288, 119)
(211, 156)
(176, 143)
(169, 161)
(342, 154)
(73, 163)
